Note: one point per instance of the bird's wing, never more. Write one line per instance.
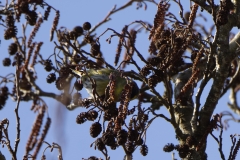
(79, 73)
(93, 72)
(105, 71)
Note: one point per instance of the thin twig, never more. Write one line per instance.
(214, 137)
(17, 107)
(232, 147)
(220, 142)
(5, 130)
(113, 10)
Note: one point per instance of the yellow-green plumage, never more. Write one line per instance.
(101, 77)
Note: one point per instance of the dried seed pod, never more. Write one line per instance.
(95, 49)
(152, 49)
(168, 148)
(95, 129)
(10, 20)
(88, 39)
(86, 102)
(64, 71)
(92, 115)
(108, 139)
(3, 99)
(78, 85)
(23, 7)
(4, 90)
(61, 83)
(72, 35)
(51, 78)
(48, 65)
(155, 61)
(6, 62)
(144, 150)
(183, 151)
(122, 137)
(152, 81)
(10, 33)
(110, 113)
(12, 49)
(81, 118)
(76, 58)
(146, 70)
(100, 145)
(31, 17)
(129, 147)
(78, 30)
(87, 26)
(18, 59)
(92, 158)
(133, 135)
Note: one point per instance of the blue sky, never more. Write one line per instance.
(73, 138)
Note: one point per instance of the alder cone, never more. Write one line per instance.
(95, 129)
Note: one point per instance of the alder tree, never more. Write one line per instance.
(184, 56)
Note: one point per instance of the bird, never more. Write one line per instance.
(102, 78)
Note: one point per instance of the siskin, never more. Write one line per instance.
(102, 78)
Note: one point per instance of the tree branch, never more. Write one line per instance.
(223, 60)
(203, 4)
